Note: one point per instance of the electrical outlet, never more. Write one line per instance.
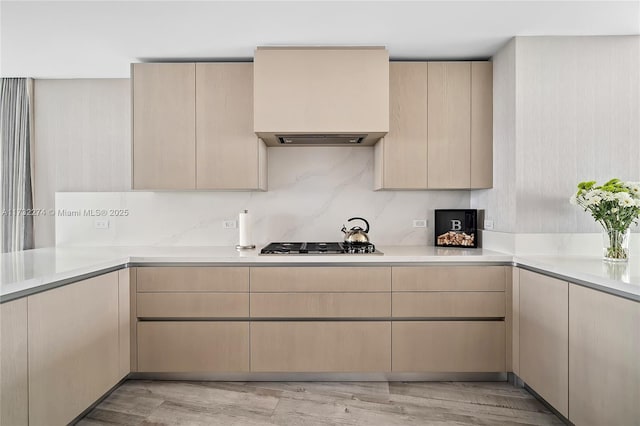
(228, 224)
(101, 223)
(419, 223)
(488, 225)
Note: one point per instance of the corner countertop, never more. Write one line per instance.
(32, 271)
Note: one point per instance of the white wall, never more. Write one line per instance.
(82, 142)
(576, 114)
(312, 192)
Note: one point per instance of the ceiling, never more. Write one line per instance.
(97, 39)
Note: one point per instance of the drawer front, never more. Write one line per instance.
(192, 305)
(446, 304)
(321, 279)
(193, 346)
(310, 346)
(449, 278)
(449, 346)
(320, 305)
(192, 278)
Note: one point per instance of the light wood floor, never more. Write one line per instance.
(149, 403)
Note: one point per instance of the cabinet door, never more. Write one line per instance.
(544, 345)
(164, 144)
(481, 125)
(14, 393)
(604, 358)
(449, 278)
(449, 346)
(73, 348)
(403, 151)
(310, 346)
(320, 305)
(228, 151)
(193, 346)
(320, 279)
(449, 129)
(225, 279)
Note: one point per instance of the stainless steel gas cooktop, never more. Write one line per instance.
(319, 248)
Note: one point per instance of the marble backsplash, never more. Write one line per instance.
(312, 192)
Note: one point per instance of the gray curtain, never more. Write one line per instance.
(17, 199)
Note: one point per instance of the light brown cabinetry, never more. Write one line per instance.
(193, 346)
(544, 339)
(314, 346)
(168, 296)
(229, 155)
(448, 346)
(449, 130)
(14, 381)
(320, 279)
(441, 131)
(193, 129)
(401, 156)
(604, 358)
(457, 293)
(73, 334)
(164, 119)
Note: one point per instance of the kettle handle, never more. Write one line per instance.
(362, 219)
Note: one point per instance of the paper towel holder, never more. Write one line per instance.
(241, 246)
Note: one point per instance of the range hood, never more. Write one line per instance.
(327, 96)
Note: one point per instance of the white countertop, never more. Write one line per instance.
(31, 271)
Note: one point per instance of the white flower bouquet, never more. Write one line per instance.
(616, 206)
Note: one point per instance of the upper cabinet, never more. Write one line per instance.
(321, 91)
(440, 134)
(164, 126)
(193, 127)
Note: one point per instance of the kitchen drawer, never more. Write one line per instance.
(449, 278)
(193, 346)
(311, 346)
(320, 305)
(192, 305)
(449, 304)
(320, 279)
(192, 278)
(448, 346)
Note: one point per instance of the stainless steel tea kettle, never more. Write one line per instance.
(356, 235)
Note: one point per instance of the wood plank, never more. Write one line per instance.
(14, 382)
(449, 130)
(405, 146)
(193, 278)
(320, 305)
(193, 305)
(73, 348)
(320, 279)
(448, 346)
(455, 304)
(604, 358)
(544, 339)
(312, 346)
(193, 346)
(449, 278)
(226, 145)
(164, 144)
(481, 124)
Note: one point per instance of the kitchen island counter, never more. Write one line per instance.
(32, 271)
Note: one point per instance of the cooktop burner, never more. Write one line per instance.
(319, 248)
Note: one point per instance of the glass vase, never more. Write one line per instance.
(615, 245)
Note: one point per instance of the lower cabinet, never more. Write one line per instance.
(193, 346)
(14, 376)
(448, 346)
(315, 346)
(604, 358)
(74, 356)
(544, 340)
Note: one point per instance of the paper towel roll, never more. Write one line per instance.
(244, 228)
